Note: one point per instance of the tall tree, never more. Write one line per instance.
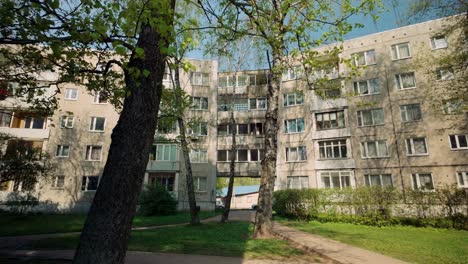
(288, 30)
(119, 47)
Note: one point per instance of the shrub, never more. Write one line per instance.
(156, 200)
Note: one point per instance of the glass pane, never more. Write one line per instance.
(404, 51)
(407, 80)
(419, 146)
(96, 153)
(394, 52)
(253, 104)
(387, 180)
(292, 154)
(367, 118)
(370, 57)
(300, 125)
(374, 86)
(378, 116)
(99, 123)
(253, 155)
(336, 182)
(222, 155)
(291, 99)
(366, 180)
(304, 182)
(363, 88)
(242, 155)
(462, 142)
(166, 152)
(382, 148)
(38, 123)
(204, 103)
(426, 181)
(326, 181)
(292, 126)
(92, 183)
(415, 181)
(341, 119)
(345, 181)
(375, 180)
(299, 98)
(371, 149)
(460, 179)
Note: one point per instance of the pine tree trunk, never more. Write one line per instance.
(263, 217)
(194, 217)
(105, 235)
(232, 168)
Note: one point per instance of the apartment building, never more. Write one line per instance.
(380, 127)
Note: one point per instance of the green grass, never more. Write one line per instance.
(16, 225)
(231, 239)
(412, 244)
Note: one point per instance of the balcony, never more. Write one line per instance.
(241, 168)
(335, 164)
(154, 165)
(26, 132)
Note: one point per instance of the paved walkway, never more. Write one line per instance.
(333, 250)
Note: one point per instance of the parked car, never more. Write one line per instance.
(254, 206)
(219, 205)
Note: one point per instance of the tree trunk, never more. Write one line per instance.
(263, 221)
(232, 168)
(194, 218)
(104, 238)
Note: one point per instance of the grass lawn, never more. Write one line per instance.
(231, 239)
(412, 244)
(16, 225)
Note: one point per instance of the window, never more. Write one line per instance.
(416, 146)
(63, 151)
(199, 129)
(224, 155)
(405, 80)
(199, 184)
(458, 141)
(256, 129)
(34, 122)
(71, 94)
(444, 73)
(100, 98)
(23, 186)
(89, 183)
(298, 182)
(453, 107)
(374, 149)
(224, 130)
(295, 72)
(242, 155)
(293, 99)
(166, 125)
(401, 51)
(224, 105)
(241, 104)
(198, 156)
(225, 81)
(93, 153)
(97, 124)
(58, 182)
(333, 149)
(422, 181)
(370, 117)
(256, 155)
(242, 129)
(66, 121)
(439, 42)
(410, 113)
(296, 154)
(462, 179)
(5, 118)
(294, 125)
(258, 104)
(167, 180)
(164, 152)
(199, 103)
(330, 120)
(200, 78)
(335, 179)
(383, 180)
(364, 58)
(242, 80)
(367, 87)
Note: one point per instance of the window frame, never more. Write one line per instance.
(257, 103)
(198, 154)
(457, 141)
(66, 96)
(412, 148)
(287, 121)
(415, 178)
(433, 42)
(93, 122)
(60, 150)
(286, 102)
(397, 49)
(340, 172)
(322, 145)
(88, 154)
(56, 181)
(337, 115)
(299, 157)
(85, 183)
(355, 58)
(368, 180)
(365, 149)
(399, 81)
(357, 87)
(205, 79)
(200, 103)
(154, 151)
(463, 175)
(199, 127)
(65, 119)
(196, 184)
(404, 111)
(299, 180)
(97, 99)
(360, 118)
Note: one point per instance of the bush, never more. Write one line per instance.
(156, 200)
